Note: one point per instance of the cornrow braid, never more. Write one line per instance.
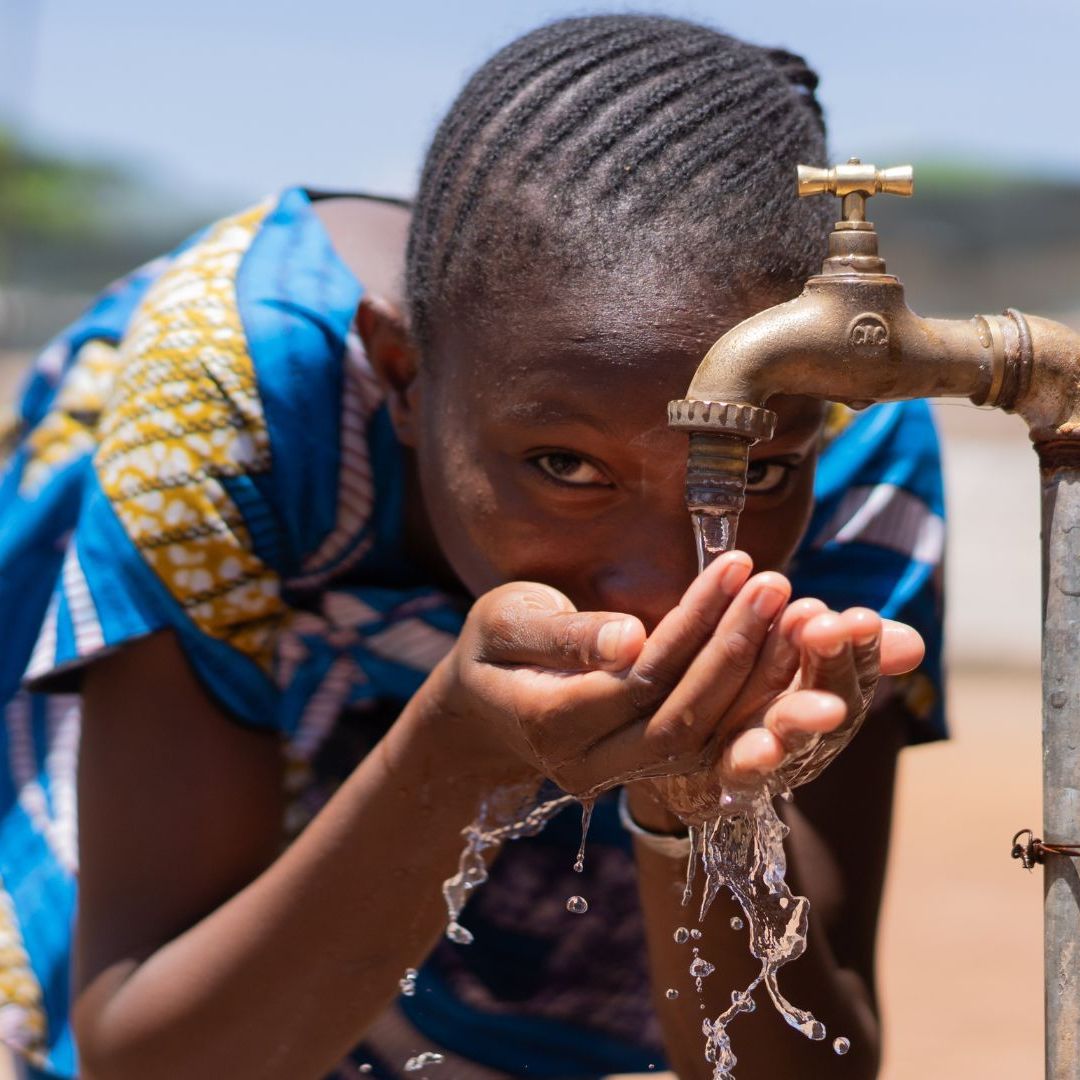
(619, 137)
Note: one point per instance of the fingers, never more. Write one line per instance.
(828, 644)
(673, 645)
(787, 726)
(779, 660)
(526, 623)
(689, 718)
(902, 648)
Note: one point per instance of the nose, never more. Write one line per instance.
(650, 567)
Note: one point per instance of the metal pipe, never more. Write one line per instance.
(1060, 468)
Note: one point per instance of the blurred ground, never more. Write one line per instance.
(960, 969)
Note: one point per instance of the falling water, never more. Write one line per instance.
(586, 816)
(714, 533)
(742, 849)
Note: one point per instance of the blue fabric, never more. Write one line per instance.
(308, 619)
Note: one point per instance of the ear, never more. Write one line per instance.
(393, 358)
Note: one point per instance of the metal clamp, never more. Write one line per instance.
(1034, 850)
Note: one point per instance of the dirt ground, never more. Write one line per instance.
(960, 961)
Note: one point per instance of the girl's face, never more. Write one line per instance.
(544, 452)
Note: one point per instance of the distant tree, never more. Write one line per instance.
(48, 196)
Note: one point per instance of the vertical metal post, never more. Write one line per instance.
(1060, 466)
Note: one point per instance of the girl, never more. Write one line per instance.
(318, 565)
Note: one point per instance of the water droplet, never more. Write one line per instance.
(701, 969)
(817, 1030)
(671, 994)
(458, 934)
(415, 1064)
(651, 1066)
(695, 934)
(407, 984)
(736, 923)
(577, 904)
(682, 936)
(841, 1045)
(365, 1068)
(579, 865)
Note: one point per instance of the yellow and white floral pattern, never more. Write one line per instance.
(68, 431)
(186, 414)
(22, 1017)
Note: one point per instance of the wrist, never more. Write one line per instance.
(650, 814)
(667, 844)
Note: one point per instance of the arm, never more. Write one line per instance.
(199, 954)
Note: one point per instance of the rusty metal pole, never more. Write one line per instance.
(1060, 468)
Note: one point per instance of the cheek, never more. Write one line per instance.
(772, 534)
(484, 526)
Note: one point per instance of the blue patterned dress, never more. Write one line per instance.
(206, 450)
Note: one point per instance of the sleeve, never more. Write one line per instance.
(877, 537)
(216, 480)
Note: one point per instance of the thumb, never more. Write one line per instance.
(528, 623)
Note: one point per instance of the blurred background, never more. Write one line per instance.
(125, 125)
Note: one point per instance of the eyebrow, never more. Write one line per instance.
(541, 413)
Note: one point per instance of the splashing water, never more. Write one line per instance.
(577, 905)
(742, 849)
(682, 936)
(421, 1061)
(509, 813)
(407, 984)
(841, 1044)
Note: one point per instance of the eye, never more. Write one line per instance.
(767, 477)
(570, 470)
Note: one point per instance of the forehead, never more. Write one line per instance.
(612, 361)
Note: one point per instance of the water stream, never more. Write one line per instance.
(741, 849)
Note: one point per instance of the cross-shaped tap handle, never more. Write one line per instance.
(855, 183)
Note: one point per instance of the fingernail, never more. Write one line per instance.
(768, 602)
(866, 639)
(610, 638)
(733, 576)
(830, 652)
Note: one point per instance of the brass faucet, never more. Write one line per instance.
(850, 337)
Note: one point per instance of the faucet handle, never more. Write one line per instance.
(855, 183)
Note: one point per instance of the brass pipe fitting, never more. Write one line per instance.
(850, 337)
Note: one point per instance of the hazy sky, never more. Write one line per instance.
(237, 97)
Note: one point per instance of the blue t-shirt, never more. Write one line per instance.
(207, 450)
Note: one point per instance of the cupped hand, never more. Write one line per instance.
(808, 697)
(586, 699)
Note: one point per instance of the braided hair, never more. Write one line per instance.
(615, 142)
